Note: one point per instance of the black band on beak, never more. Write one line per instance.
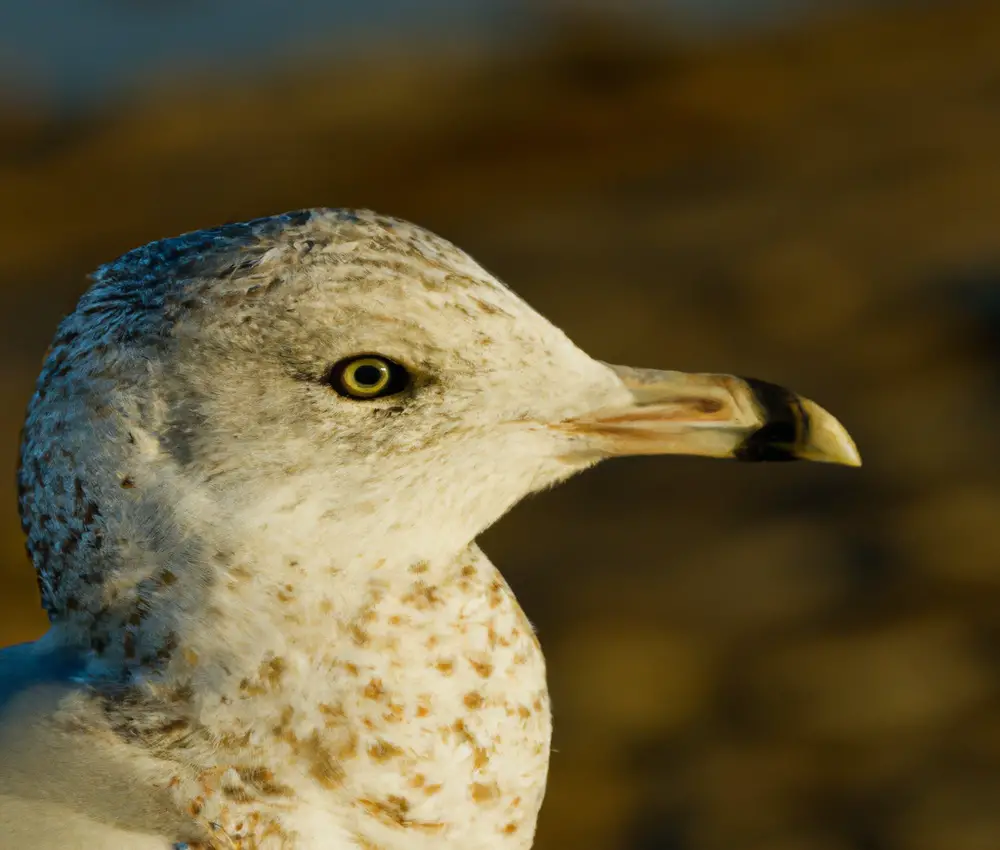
(786, 425)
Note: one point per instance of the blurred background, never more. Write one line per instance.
(785, 657)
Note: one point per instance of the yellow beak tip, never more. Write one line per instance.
(828, 441)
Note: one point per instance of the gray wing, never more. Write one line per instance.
(62, 786)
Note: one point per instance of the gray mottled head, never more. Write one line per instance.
(191, 388)
(192, 403)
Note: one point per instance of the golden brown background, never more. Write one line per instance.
(786, 657)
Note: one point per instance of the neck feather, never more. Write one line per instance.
(377, 693)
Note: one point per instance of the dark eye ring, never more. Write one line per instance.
(368, 376)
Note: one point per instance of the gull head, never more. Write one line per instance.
(330, 380)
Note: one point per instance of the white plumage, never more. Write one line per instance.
(271, 626)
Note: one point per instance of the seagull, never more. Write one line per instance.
(252, 477)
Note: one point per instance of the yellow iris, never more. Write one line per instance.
(366, 377)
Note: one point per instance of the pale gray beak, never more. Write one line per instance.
(714, 416)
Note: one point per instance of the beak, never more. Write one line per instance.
(713, 416)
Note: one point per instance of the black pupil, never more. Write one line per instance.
(367, 376)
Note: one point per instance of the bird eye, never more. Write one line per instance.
(369, 376)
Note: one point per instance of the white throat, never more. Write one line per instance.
(397, 696)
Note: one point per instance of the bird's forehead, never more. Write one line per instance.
(305, 261)
(351, 246)
(382, 284)
(362, 254)
(384, 274)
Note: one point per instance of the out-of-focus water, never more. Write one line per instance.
(77, 52)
